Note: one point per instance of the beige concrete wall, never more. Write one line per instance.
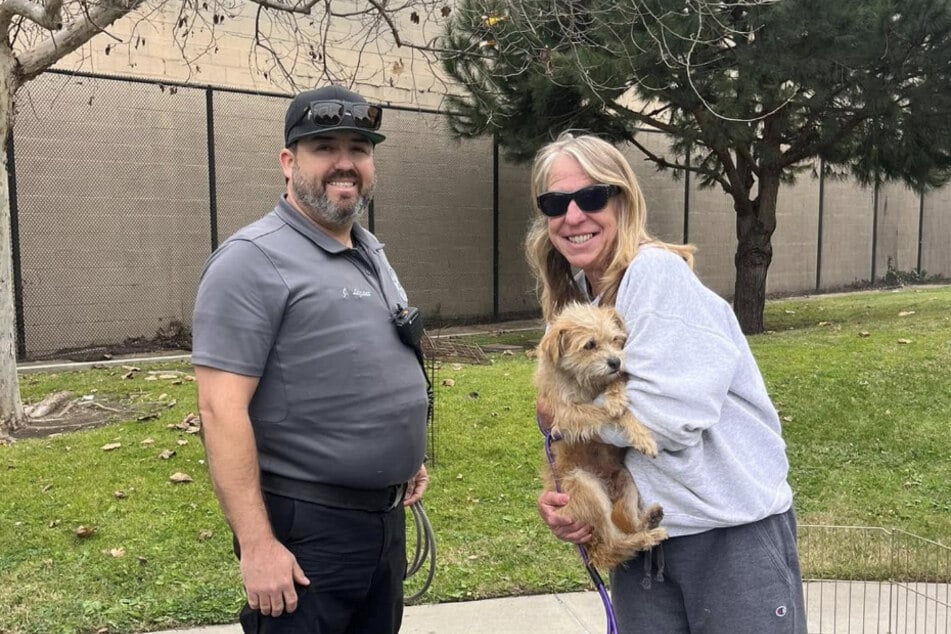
(114, 213)
(898, 212)
(663, 193)
(935, 251)
(216, 46)
(796, 236)
(112, 190)
(712, 228)
(846, 233)
(433, 209)
(516, 210)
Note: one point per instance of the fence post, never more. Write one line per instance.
(495, 227)
(15, 249)
(874, 227)
(687, 197)
(822, 200)
(212, 176)
(921, 225)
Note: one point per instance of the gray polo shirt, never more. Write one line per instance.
(341, 400)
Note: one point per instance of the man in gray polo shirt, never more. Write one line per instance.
(313, 408)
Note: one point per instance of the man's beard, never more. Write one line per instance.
(312, 196)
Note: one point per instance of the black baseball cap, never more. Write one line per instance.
(331, 109)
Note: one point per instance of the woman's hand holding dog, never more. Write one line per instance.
(564, 528)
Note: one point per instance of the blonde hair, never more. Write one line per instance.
(604, 163)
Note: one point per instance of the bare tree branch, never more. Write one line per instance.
(46, 15)
(73, 35)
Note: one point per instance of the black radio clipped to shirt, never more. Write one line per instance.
(409, 325)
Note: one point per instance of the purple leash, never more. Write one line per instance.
(592, 571)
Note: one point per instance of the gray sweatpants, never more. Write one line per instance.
(738, 580)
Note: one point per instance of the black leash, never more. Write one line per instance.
(592, 571)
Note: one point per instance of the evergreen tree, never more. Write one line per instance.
(748, 92)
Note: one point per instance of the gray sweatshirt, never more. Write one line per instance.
(695, 385)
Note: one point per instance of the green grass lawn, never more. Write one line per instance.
(861, 382)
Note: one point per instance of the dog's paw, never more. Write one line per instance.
(643, 442)
(653, 516)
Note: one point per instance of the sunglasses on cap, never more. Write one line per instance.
(589, 199)
(332, 112)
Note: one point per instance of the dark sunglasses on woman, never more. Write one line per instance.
(589, 199)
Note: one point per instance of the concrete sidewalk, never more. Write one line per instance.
(572, 613)
(831, 606)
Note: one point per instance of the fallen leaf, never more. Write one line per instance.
(459, 477)
(906, 313)
(84, 531)
(180, 477)
(103, 630)
(131, 368)
(864, 333)
(117, 552)
(181, 442)
(54, 523)
(204, 535)
(46, 488)
(111, 446)
(142, 560)
(903, 341)
(165, 455)
(448, 382)
(119, 495)
(148, 442)
(825, 323)
(790, 312)
(788, 419)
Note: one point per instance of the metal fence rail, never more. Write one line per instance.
(869, 579)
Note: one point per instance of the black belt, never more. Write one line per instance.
(375, 500)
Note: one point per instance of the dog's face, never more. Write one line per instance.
(586, 342)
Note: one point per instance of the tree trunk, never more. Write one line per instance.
(11, 410)
(755, 224)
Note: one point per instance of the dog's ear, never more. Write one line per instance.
(551, 344)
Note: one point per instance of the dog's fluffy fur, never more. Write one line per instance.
(579, 358)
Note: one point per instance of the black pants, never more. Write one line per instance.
(355, 561)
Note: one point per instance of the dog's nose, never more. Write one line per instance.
(614, 363)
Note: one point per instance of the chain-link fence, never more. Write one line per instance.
(121, 188)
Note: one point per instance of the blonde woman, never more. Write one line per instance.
(730, 563)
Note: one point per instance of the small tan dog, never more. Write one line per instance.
(579, 358)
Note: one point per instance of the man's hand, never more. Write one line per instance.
(416, 487)
(564, 528)
(269, 572)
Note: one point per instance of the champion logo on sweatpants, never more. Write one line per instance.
(781, 611)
